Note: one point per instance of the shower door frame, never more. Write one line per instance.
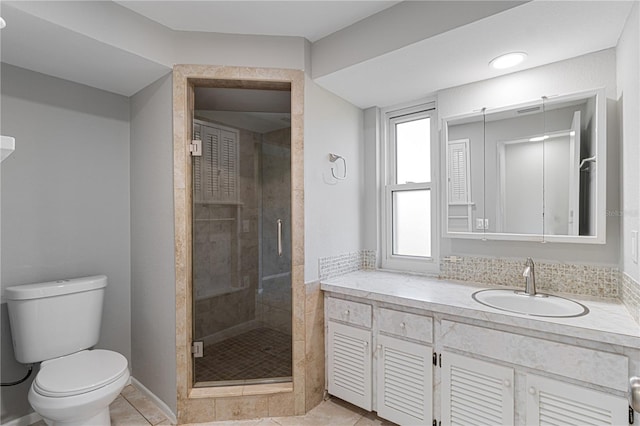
(288, 395)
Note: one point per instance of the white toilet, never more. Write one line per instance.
(56, 323)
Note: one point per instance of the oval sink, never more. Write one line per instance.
(540, 305)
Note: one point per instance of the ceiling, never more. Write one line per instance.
(368, 52)
(310, 19)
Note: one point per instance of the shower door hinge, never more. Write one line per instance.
(197, 349)
(195, 148)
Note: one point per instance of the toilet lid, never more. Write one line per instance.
(80, 372)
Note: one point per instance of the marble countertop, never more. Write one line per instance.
(608, 320)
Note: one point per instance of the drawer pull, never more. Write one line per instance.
(532, 390)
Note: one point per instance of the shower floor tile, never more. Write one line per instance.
(262, 353)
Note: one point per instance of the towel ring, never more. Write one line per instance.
(333, 158)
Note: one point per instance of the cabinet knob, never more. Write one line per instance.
(366, 344)
(402, 325)
(346, 312)
(532, 390)
(506, 383)
(380, 347)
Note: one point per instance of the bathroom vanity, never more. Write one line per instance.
(419, 350)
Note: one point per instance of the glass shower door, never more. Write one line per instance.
(241, 255)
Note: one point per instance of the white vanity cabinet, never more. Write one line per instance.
(383, 365)
(504, 369)
(487, 367)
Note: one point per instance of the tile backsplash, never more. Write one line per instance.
(630, 295)
(344, 263)
(588, 280)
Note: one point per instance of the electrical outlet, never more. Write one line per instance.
(634, 246)
(479, 223)
(486, 224)
(246, 226)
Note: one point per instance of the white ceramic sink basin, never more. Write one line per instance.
(540, 305)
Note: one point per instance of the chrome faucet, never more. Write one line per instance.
(530, 275)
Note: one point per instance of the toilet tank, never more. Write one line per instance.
(56, 318)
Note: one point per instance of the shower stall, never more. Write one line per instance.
(241, 268)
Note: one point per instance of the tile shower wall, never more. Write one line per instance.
(274, 300)
(588, 280)
(225, 255)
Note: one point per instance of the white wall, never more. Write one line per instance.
(573, 75)
(157, 43)
(333, 209)
(153, 325)
(65, 195)
(628, 95)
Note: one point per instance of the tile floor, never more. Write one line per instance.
(262, 353)
(132, 408)
(333, 412)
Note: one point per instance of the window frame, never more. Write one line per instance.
(390, 117)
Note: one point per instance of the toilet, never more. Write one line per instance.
(57, 323)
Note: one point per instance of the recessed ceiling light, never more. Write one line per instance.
(3, 23)
(507, 60)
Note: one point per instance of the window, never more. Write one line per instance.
(409, 237)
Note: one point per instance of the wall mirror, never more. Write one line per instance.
(532, 172)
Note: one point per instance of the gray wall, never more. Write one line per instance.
(65, 199)
(333, 209)
(153, 319)
(628, 69)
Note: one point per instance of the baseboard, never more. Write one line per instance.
(157, 401)
(27, 420)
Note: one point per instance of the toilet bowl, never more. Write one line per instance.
(57, 323)
(76, 390)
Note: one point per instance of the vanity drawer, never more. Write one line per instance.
(350, 312)
(405, 324)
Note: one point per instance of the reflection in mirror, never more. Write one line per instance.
(465, 174)
(533, 171)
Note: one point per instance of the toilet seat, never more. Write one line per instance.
(79, 373)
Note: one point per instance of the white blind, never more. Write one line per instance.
(216, 172)
(458, 171)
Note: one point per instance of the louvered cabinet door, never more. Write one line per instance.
(405, 380)
(476, 392)
(551, 402)
(349, 364)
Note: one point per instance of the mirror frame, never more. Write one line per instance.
(601, 173)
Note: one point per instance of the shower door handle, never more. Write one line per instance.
(279, 222)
